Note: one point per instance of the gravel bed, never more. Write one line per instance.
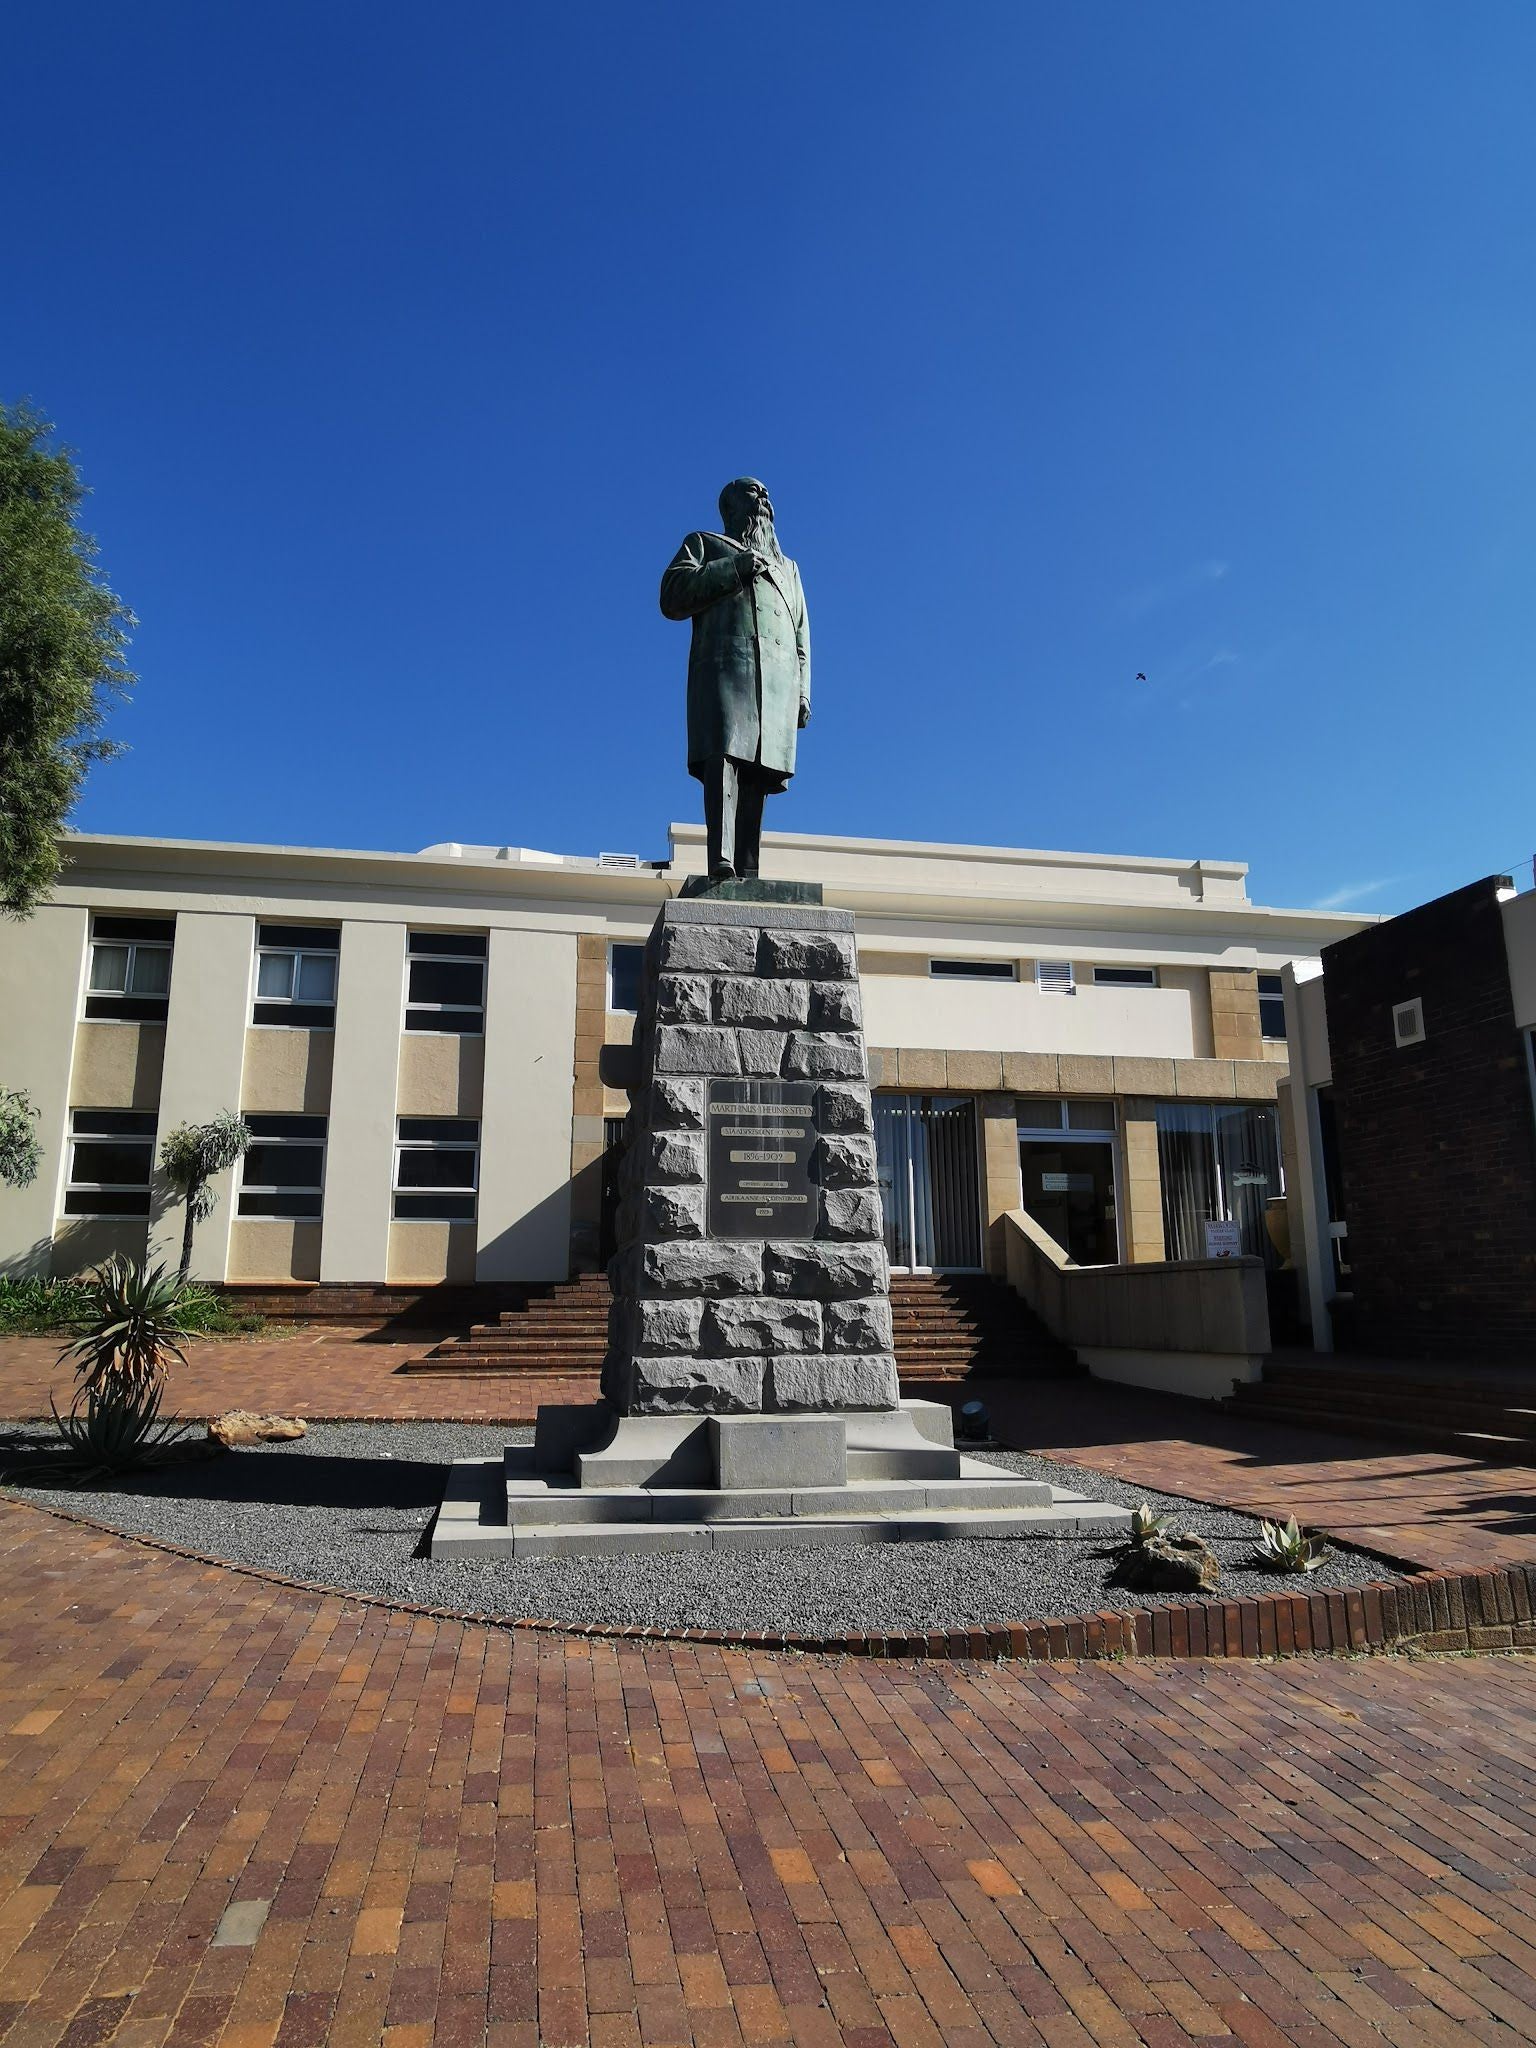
(347, 1505)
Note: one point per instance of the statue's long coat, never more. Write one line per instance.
(749, 669)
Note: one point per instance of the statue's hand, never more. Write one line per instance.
(805, 714)
(749, 565)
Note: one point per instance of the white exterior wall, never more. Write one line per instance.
(525, 1134)
(1013, 1016)
(42, 966)
(1520, 945)
(360, 1138)
(204, 1053)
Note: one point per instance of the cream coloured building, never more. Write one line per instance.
(416, 1040)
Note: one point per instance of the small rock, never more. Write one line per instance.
(240, 1426)
(1169, 1564)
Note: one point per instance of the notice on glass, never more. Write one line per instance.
(1223, 1240)
(761, 1140)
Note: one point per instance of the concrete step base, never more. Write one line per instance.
(984, 1503)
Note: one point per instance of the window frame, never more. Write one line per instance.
(1109, 976)
(72, 1186)
(1271, 996)
(243, 1187)
(442, 956)
(947, 967)
(629, 945)
(435, 1144)
(319, 1016)
(156, 1007)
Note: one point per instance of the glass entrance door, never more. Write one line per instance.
(925, 1158)
(1069, 1189)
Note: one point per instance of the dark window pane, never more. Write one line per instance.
(455, 1130)
(460, 945)
(115, 1163)
(262, 1204)
(447, 981)
(1125, 977)
(309, 1127)
(972, 970)
(438, 1208)
(308, 938)
(151, 975)
(462, 1021)
(296, 1016)
(426, 1169)
(1040, 1112)
(274, 976)
(1272, 1016)
(1091, 1116)
(624, 966)
(106, 1202)
(141, 928)
(114, 1123)
(317, 978)
(128, 1009)
(109, 967)
(283, 1166)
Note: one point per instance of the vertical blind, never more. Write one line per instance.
(925, 1154)
(1220, 1162)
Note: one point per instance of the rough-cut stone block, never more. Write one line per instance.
(824, 1056)
(820, 1272)
(979, 1070)
(835, 1006)
(845, 1162)
(858, 1325)
(850, 1213)
(777, 1003)
(696, 1049)
(708, 948)
(761, 1325)
(675, 1157)
(682, 999)
(843, 1106)
(674, 1212)
(668, 1326)
(809, 956)
(762, 1052)
(770, 1451)
(697, 1386)
(921, 1067)
(845, 1380)
(676, 1105)
(714, 1267)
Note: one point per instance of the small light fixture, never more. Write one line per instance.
(975, 1424)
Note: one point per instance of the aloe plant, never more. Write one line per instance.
(1284, 1548)
(1145, 1525)
(136, 1315)
(114, 1427)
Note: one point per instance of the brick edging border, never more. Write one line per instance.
(1429, 1611)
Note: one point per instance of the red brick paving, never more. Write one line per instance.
(477, 1836)
(1428, 1507)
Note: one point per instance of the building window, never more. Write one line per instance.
(111, 1160)
(1054, 978)
(624, 968)
(283, 1173)
(973, 970)
(1272, 1006)
(437, 1160)
(130, 977)
(1048, 1113)
(296, 975)
(1220, 1163)
(1125, 977)
(445, 982)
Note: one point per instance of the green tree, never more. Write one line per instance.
(63, 634)
(20, 1153)
(189, 1158)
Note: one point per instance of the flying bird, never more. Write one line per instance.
(1141, 675)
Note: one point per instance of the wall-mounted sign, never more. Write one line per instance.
(1055, 1183)
(1223, 1240)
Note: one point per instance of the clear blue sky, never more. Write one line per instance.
(402, 345)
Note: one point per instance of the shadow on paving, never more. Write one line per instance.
(276, 1477)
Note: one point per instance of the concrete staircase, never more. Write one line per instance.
(948, 1326)
(1493, 1418)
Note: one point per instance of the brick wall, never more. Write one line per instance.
(1436, 1141)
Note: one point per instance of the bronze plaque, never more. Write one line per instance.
(762, 1135)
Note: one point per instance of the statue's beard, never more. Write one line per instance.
(759, 535)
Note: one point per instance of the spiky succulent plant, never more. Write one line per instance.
(1284, 1547)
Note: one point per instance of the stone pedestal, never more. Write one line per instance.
(749, 1390)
